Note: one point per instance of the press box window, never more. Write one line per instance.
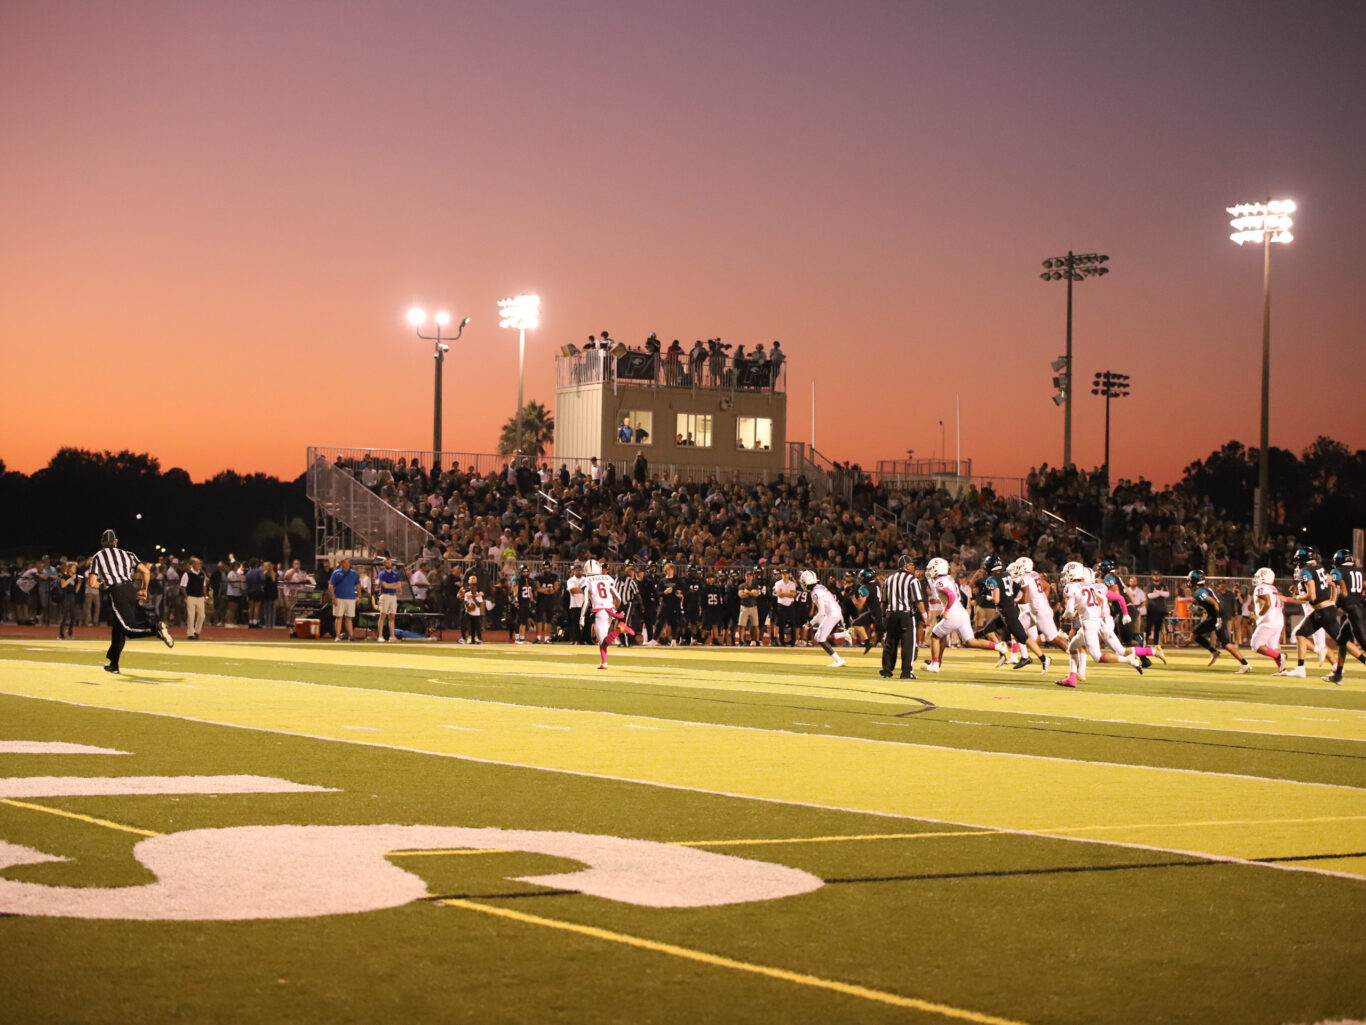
(635, 427)
(753, 433)
(694, 429)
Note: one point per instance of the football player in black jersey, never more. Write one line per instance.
(1213, 625)
(1351, 602)
(868, 615)
(1108, 574)
(1000, 592)
(1315, 588)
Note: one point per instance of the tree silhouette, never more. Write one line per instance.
(538, 432)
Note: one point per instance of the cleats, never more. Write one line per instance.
(886, 674)
(1333, 677)
(164, 632)
(1045, 662)
(1280, 663)
(1159, 654)
(112, 669)
(1023, 662)
(1244, 668)
(999, 662)
(933, 667)
(908, 676)
(1298, 672)
(1068, 681)
(1213, 658)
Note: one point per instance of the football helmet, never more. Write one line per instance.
(1088, 575)
(1196, 577)
(1343, 557)
(867, 576)
(592, 567)
(1026, 564)
(1071, 573)
(807, 579)
(1105, 566)
(1304, 556)
(937, 567)
(1264, 576)
(1014, 569)
(992, 564)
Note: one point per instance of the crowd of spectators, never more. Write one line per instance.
(523, 513)
(251, 594)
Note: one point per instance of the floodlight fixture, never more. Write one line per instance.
(1059, 363)
(1264, 223)
(1112, 385)
(520, 312)
(417, 317)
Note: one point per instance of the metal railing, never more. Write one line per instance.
(349, 517)
(642, 368)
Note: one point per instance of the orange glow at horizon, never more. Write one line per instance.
(217, 219)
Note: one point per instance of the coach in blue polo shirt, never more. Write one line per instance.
(341, 588)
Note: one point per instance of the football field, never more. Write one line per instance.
(321, 833)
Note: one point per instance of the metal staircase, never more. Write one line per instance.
(350, 519)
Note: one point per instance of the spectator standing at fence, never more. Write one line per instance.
(1138, 605)
(294, 580)
(64, 596)
(270, 595)
(419, 583)
(93, 584)
(234, 590)
(389, 580)
(341, 589)
(775, 362)
(471, 596)
(575, 587)
(1156, 618)
(128, 615)
(195, 584)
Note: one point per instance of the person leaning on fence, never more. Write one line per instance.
(129, 616)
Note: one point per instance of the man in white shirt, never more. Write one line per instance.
(417, 580)
(594, 470)
(577, 596)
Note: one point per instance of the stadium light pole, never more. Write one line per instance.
(417, 317)
(523, 314)
(1112, 386)
(1072, 267)
(1265, 223)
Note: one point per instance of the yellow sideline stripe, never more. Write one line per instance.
(76, 815)
(717, 960)
(1235, 714)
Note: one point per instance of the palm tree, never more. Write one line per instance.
(538, 432)
(271, 530)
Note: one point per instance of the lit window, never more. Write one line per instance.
(694, 429)
(635, 427)
(753, 434)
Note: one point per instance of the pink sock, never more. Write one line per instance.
(612, 635)
(1272, 653)
(602, 653)
(1143, 652)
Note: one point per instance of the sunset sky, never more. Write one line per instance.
(215, 216)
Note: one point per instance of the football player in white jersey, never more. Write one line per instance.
(1270, 608)
(826, 618)
(1088, 606)
(608, 623)
(1034, 596)
(955, 618)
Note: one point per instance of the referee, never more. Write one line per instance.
(903, 600)
(116, 566)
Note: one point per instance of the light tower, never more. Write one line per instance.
(522, 313)
(417, 317)
(1072, 267)
(1265, 223)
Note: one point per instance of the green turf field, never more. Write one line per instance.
(303, 832)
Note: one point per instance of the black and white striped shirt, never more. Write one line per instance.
(629, 590)
(114, 566)
(901, 592)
